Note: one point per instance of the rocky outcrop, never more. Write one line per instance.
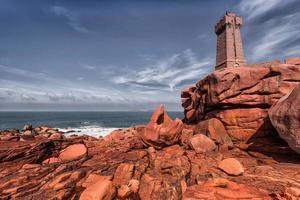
(241, 96)
(285, 117)
(119, 166)
(197, 164)
(162, 131)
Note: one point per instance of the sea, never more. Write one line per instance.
(90, 123)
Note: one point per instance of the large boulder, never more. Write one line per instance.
(73, 152)
(285, 117)
(214, 129)
(231, 166)
(202, 144)
(161, 131)
(240, 97)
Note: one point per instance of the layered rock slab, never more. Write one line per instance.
(240, 97)
(219, 190)
(122, 168)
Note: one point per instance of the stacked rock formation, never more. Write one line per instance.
(147, 163)
(240, 97)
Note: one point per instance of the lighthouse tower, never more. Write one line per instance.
(230, 51)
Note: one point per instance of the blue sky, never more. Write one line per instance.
(126, 55)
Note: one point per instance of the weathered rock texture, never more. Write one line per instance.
(162, 131)
(285, 117)
(241, 96)
(122, 166)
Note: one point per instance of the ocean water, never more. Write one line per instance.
(90, 123)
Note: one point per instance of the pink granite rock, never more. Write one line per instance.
(73, 152)
(201, 143)
(161, 131)
(241, 96)
(285, 117)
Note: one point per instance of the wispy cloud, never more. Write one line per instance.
(167, 73)
(72, 17)
(25, 97)
(202, 36)
(274, 28)
(86, 66)
(255, 8)
(26, 86)
(280, 33)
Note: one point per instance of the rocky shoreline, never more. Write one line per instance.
(165, 159)
(239, 140)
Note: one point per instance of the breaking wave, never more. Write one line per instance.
(92, 130)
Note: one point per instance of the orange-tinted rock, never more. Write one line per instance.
(215, 130)
(101, 190)
(227, 190)
(31, 166)
(154, 188)
(94, 178)
(123, 174)
(292, 193)
(64, 180)
(162, 131)
(293, 61)
(201, 143)
(134, 185)
(285, 117)
(240, 97)
(157, 174)
(183, 186)
(231, 166)
(29, 133)
(186, 135)
(73, 152)
(51, 160)
(124, 191)
(166, 170)
(56, 136)
(191, 114)
(129, 191)
(9, 138)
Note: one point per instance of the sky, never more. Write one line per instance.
(116, 55)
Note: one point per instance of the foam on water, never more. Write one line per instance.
(92, 130)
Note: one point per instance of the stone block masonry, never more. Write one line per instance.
(229, 42)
